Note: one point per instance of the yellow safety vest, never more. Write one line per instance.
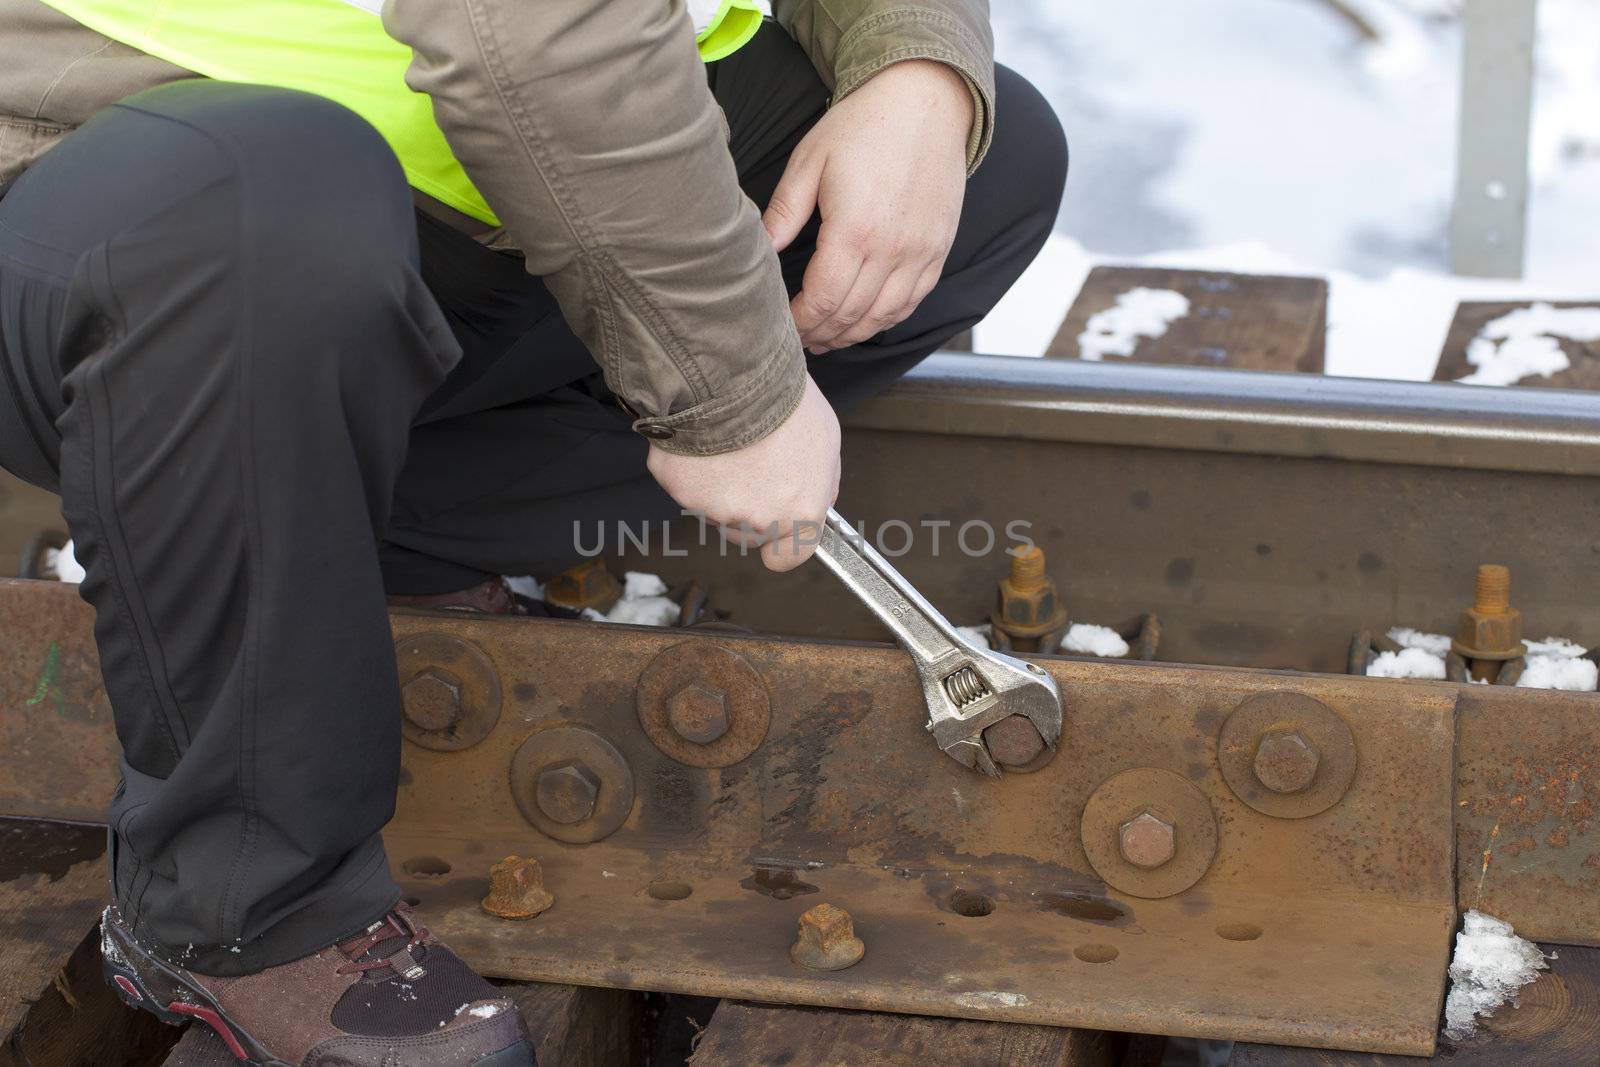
(338, 49)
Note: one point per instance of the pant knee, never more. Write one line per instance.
(1028, 158)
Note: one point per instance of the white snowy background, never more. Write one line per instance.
(1274, 136)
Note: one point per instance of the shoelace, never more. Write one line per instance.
(398, 923)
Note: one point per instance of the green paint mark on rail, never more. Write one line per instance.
(47, 679)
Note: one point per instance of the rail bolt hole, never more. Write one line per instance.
(426, 867)
(1095, 953)
(972, 905)
(669, 890)
(1238, 931)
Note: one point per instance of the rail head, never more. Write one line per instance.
(1552, 431)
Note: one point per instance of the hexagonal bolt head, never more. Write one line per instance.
(826, 940)
(1026, 605)
(698, 713)
(588, 585)
(567, 792)
(432, 699)
(1489, 636)
(516, 889)
(1147, 840)
(1286, 761)
(1014, 741)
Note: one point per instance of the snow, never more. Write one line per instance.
(1490, 965)
(978, 635)
(644, 603)
(1088, 639)
(1406, 637)
(1407, 663)
(63, 564)
(1275, 138)
(1137, 313)
(1554, 646)
(1523, 343)
(1557, 663)
(1559, 672)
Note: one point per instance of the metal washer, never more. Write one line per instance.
(1173, 798)
(1320, 724)
(568, 743)
(480, 688)
(714, 666)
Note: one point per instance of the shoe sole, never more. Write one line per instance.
(154, 987)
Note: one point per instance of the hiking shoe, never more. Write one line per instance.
(390, 996)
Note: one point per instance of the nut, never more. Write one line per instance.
(698, 713)
(1026, 605)
(1014, 741)
(1286, 762)
(567, 792)
(1491, 628)
(826, 940)
(516, 889)
(432, 699)
(588, 585)
(1147, 840)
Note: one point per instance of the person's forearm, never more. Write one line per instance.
(850, 41)
(589, 129)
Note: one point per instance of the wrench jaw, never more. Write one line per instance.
(966, 694)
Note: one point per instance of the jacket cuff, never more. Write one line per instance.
(901, 33)
(728, 423)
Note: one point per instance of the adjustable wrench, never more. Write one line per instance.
(967, 688)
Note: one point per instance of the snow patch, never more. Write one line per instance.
(1406, 637)
(1557, 663)
(1137, 313)
(644, 603)
(1088, 639)
(978, 635)
(1490, 964)
(1523, 343)
(1407, 663)
(61, 563)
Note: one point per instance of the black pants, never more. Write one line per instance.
(267, 391)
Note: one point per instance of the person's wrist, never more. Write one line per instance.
(937, 88)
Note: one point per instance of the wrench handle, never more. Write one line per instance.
(917, 624)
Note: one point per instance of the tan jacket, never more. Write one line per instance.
(635, 220)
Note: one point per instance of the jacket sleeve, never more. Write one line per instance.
(589, 128)
(851, 40)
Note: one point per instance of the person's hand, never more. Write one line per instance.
(775, 492)
(887, 168)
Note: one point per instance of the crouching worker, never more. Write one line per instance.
(306, 303)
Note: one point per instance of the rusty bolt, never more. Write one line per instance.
(567, 792)
(1147, 840)
(1491, 628)
(516, 889)
(432, 699)
(1026, 606)
(1013, 741)
(698, 713)
(1286, 761)
(826, 940)
(588, 585)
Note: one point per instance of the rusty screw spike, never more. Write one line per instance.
(516, 889)
(826, 940)
(1491, 629)
(1147, 840)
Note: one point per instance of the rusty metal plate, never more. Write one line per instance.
(1528, 810)
(846, 773)
(975, 897)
